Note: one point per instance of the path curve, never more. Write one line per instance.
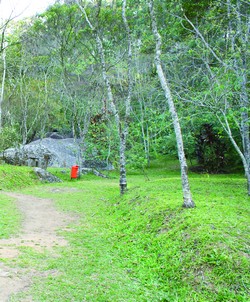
(40, 222)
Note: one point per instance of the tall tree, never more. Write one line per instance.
(225, 60)
(188, 202)
(3, 55)
(3, 46)
(122, 122)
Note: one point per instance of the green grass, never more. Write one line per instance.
(145, 246)
(13, 178)
(9, 217)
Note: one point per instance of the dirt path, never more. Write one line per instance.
(40, 223)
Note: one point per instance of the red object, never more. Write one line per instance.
(74, 171)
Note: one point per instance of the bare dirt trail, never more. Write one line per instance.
(40, 224)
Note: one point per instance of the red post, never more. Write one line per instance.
(74, 171)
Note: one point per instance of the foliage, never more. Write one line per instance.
(141, 247)
(8, 137)
(212, 150)
(54, 80)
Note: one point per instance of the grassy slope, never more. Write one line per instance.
(144, 246)
(9, 217)
(12, 178)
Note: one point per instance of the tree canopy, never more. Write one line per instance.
(52, 78)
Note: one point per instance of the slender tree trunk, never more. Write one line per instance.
(244, 160)
(3, 46)
(124, 132)
(121, 127)
(46, 104)
(27, 124)
(245, 132)
(241, 70)
(238, 65)
(188, 202)
(3, 86)
(24, 102)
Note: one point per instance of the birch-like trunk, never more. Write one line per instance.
(242, 72)
(124, 132)
(121, 127)
(245, 131)
(188, 202)
(244, 159)
(3, 85)
(238, 65)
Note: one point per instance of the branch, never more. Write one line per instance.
(130, 81)
(85, 15)
(205, 42)
(227, 129)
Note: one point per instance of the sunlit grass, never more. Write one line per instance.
(9, 217)
(13, 178)
(144, 246)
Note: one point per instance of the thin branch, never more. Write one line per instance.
(205, 42)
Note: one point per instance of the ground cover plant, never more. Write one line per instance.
(12, 178)
(144, 246)
(9, 217)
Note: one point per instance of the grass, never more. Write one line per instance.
(9, 217)
(144, 246)
(13, 178)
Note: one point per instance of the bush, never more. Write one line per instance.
(8, 138)
(214, 151)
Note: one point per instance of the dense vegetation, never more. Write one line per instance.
(69, 69)
(142, 246)
(52, 79)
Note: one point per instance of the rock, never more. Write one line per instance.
(56, 136)
(98, 164)
(25, 156)
(94, 171)
(46, 176)
(43, 153)
(50, 152)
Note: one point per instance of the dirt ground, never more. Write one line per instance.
(39, 228)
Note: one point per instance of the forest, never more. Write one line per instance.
(160, 91)
(133, 80)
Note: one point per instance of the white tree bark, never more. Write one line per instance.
(3, 85)
(241, 67)
(237, 63)
(122, 126)
(3, 46)
(24, 84)
(124, 131)
(246, 165)
(188, 202)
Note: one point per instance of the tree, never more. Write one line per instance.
(121, 122)
(3, 54)
(225, 60)
(188, 202)
(54, 41)
(3, 45)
